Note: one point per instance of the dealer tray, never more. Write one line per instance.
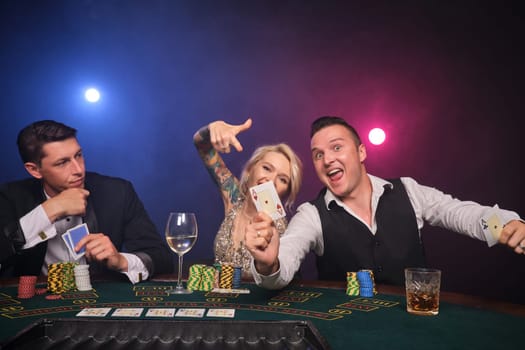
(65, 334)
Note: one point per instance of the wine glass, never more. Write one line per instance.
(181, 234)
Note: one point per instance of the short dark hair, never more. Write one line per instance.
(33, 137)
(323, 122)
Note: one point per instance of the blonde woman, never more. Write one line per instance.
(277, 163)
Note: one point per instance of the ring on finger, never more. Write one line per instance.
(522, 246)
(258, 233)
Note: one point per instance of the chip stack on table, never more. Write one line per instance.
(226, 277)
(195, 276)
(201, 277)
(216, 279)
(82, 279)
(61, 277)
(237, 276)
(352, 284)
(68, 276)
(207, 279)
(26, 287)
(366, 283)
(55, 283)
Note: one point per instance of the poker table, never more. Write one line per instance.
(321, 314)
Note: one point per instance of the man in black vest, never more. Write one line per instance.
(60, 194)
(359, 221)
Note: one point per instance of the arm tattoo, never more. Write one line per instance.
(220, 174)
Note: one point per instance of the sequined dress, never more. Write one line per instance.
(225, 252)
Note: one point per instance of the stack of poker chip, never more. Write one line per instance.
(55, 282)
(366, 283)
(201, 277)
(82, 279)
(226, 276)
(217, 267)
(61, 277)
(26, 287)
(208, 279)
(237, 275)
(68, 276)
(195, 276)
(352, 284)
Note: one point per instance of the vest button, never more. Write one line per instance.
(380, 269)
(378, 244)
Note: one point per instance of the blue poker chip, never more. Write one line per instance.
(237, 277)
(366, 292)
(364, 276)
(366, 285)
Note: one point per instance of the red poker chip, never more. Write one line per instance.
(27, 284)
(26, 288)
(28, 278)
(24, 296)
(53, 297)
(40, 291)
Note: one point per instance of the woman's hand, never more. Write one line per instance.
(224, 136)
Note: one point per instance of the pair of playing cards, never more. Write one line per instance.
(266, 199)
(72, 237)
(199, 312)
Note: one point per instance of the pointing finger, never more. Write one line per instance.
(244, 126)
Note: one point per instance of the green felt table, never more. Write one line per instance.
(344, 321)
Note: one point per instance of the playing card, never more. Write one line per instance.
(76, 234)
(190, 313)
(161, 312)
(72, 236)
(94, 312)
(265, 198)
(67, 240)
(492, 227)
(128, 312)
(231, 290)
(221, 313)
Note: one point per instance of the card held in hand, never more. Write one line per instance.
(72, 237)
(491, 226)
(265, 198)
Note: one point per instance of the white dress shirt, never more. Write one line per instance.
(37, 228)
(304, 232)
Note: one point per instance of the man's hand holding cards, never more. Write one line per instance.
(72, 237)
(266, 199)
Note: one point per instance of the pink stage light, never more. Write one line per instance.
(376, 136)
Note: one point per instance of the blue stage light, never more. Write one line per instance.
(92, 95)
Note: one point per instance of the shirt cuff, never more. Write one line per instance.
(137, 272)
(493, 222)
(266, 281)
(36, 227)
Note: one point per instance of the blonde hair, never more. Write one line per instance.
(296, 170)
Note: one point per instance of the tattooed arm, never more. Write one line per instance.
(218, 137)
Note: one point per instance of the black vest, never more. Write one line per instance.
(350, 246)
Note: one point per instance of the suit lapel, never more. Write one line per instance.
(90, 218)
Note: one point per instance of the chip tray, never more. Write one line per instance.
(166, 334)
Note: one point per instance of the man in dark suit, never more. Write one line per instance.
(35, 212)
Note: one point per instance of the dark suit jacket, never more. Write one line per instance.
(113, 209)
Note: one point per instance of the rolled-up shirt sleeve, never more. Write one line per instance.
(303, 234)
(441, 209)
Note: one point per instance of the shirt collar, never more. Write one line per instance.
(378, 188)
